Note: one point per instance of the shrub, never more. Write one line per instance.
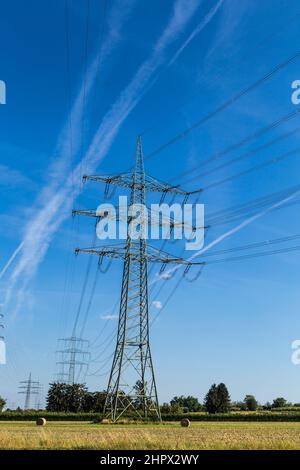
(250, 403)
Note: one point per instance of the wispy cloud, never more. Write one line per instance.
(109, 317)
(57, 198)
(157, 304)
(11, 177)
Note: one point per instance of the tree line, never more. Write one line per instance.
(76, 398)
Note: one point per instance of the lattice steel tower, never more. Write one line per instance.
(28, 388)
(131, 385)
(73, 359)
(133, 354)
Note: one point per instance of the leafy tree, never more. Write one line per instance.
(165, 408)
(176, 409)
(250, 403)
(94, 402)
(279, 402)
(57, 397)
(2, 403)
(66, 398)
(75, 396)
(188, 403)
(217, 399)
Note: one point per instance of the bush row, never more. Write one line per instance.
(33, 415)
(263, 416)
(243, 416)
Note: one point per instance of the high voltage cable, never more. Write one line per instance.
(244, 155)
(253, 135)
(83, 291)
(251, 246)
(250, 212)
(99, 57)
(272, 161)
(223, 106)
(236, 97)
(266, 39)
(70, 124)
(269, 198)
(83, 122)
(255, 245)
(245, 140)
(85, 54)
(103, 360)
(92, 294)
(230, 259)
(232, 100)
(254, 255)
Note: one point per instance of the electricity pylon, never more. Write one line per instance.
(131, 386)
(1, 326)
(74, 358)
(29, 387)
(2, 342)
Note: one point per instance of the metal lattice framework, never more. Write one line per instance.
(73, 357)
(1, 326)
(28, 388)
(131, 385)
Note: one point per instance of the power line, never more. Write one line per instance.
(243, 156)
(240, 210)
(225, 105)
(242, 142)
(254, 255)
(258, 45)
(85, 53)
(272, 161)
(251, 246)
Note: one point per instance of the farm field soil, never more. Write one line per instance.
(200, 436)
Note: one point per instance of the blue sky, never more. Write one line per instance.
(76, 103)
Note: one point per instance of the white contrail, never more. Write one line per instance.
(197, 30)
(42, 227)
(9, 262)
(69, 141)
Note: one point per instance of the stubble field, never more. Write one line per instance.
(200, 436)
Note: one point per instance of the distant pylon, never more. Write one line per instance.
(2, 342)
(131, 386)
(73, 359)
(29, 388)
(1, 326)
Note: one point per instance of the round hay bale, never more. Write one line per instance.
(41, 422)
(185, 423)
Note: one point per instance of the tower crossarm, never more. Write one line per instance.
(153, 255)
(124, 180)
(155, 185)
(155, 218)
(148, 183)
